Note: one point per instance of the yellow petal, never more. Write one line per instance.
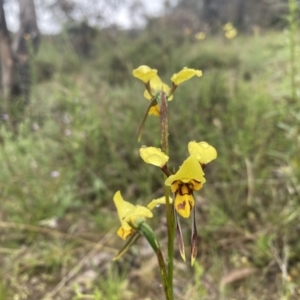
(184, 204)
(190, 170)
(230, 34)
(124, 233)
(154, 110)
(153, 156)
(157, 86)
(175, 185)
(144, 73)
(201, 35)
(147, 95)
(195, 185)
(227, 26)
(156, 202)
(138, 215)
(204, 152)
(185, 74)
(123, 207)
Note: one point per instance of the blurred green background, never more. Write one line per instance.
(75, 144)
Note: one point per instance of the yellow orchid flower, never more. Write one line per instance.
(144, 73)
(129, 213)
(230, 31)
(189, 178)
(154, 110)
(204, 152)
(228, 26)
(156, 86)
(185, 74)
(230, 34)
(153, 156)
(201, 35)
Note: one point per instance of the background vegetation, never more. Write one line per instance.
(77, 144)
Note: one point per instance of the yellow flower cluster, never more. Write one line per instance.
(201, 35)
(230, 31)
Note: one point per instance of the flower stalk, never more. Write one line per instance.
(164, 125)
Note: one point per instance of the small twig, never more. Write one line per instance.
(77, 268)
(282, 262)
(8, 250)
(250, 181)
(52, 232)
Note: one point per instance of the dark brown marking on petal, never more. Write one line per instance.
(191, 184)
(180, 188)
(174, 183)
(190, 203)
(181, 205)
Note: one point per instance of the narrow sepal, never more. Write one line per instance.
(152, 103)
(172, 90)
(194, 238)
(130, 241)
(179, 237)
(148, 88)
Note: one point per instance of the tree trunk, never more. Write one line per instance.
(28, 28)
(25, 44)
(6, 57)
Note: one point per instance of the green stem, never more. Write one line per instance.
(164, 275)
(164, 123)
(171, 236)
